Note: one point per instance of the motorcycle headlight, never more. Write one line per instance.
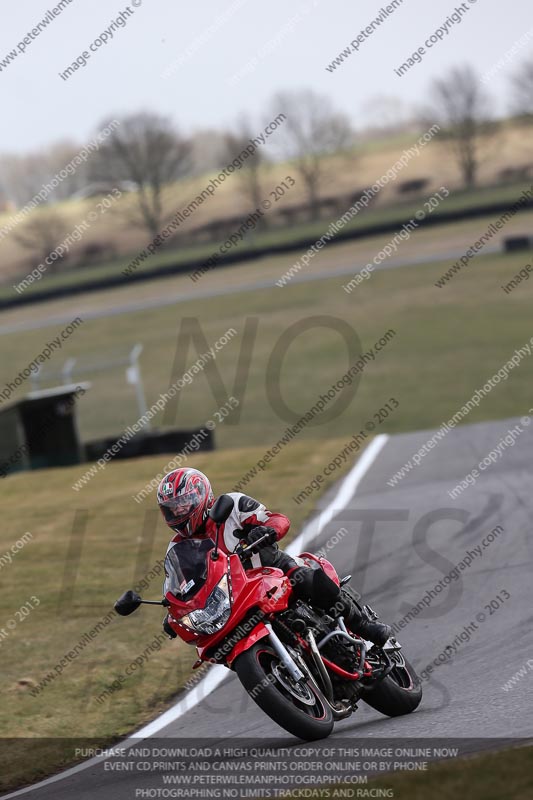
(215, 613)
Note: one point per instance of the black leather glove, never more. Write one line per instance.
(170, 632)
(259, 532)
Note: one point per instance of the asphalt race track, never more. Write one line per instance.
(400, 543)
(112, 308)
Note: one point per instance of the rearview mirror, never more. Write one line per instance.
(128, 603)
(221, 510)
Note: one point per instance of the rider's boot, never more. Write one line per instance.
(358, 622)
(315, 585)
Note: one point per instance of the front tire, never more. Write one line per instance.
(262, 674)
(399, 693)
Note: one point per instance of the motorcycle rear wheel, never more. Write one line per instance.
(299, 709)
(397, 694)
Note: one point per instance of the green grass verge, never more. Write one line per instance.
(447, 344)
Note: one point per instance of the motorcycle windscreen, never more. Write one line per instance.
(186, 567)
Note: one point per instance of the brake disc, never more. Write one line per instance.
(300, 691)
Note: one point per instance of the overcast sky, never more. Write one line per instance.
(216, 40)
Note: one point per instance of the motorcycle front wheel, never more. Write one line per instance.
(299, 708)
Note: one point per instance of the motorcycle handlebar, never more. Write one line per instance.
(245, 551)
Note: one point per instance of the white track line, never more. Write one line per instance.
(216, 675)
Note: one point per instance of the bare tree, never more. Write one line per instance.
(209, 151)
(522, 83)
(461, 107)
(147, 150)
(250, 174)
(24, 176)
(41, 235)
(59, 159)
(312, 130)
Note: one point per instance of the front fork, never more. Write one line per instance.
(284, 655)
(291, 661)
(338, 711)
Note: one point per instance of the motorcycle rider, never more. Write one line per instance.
(185, 497)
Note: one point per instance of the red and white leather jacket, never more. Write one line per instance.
(247, 513)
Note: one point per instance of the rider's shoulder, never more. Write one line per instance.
(244, 502)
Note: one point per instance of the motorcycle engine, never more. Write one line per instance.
(302, 617)
(342, 654)
(347, 657)
(299, 617)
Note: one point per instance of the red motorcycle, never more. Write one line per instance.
(304, 668)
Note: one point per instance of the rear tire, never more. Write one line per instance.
(306, 720)
(399, 693)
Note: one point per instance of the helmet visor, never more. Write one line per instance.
(178, 510)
